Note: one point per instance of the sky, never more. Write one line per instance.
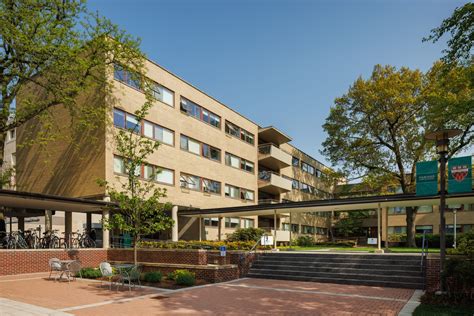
(281, 62)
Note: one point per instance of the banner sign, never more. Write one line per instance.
(460, 175)
(427, 178)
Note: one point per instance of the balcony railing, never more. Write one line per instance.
(273, 157)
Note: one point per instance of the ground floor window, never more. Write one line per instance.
(397, 229)
(248, 223)
(424, 228)
(232, 222)
(450, 229)
(305, 229)
(213, 221)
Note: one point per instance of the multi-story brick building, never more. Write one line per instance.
(210, 155)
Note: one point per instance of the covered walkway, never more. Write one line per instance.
(381, 203)
(21, 205)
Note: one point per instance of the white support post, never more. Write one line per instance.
(219, 228)
(274, 229)
(200, 228)
(455, 226)
(379, 235)
(105, 232)
(68, 227)
(174, 229)
(291, 228)
(48, 220)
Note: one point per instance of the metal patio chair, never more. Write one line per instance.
(107, 272)
(54, 266)
(132, 276)
(73, 269)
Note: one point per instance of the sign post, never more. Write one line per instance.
(223, 251)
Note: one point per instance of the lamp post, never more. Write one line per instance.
(442, 146)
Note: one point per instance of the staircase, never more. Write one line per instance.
(388, 270)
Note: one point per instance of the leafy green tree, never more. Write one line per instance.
(350, 223)
(50, 52)
(376, 130)
(461, 26)
(140, 211)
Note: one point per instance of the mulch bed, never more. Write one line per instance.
(166, 284)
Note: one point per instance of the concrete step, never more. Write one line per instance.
(342, 255)
(400, 266)
(363, 270)
(343, 260)
(342, 275)
(394, 284)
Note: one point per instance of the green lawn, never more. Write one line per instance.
(366, 249)
(433, 310)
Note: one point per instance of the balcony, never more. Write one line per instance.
(272, 183)
(273, 157)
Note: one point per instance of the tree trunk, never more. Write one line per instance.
(135, 251)
(410, 217)
(2, 151)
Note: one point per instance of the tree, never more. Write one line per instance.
(350, 224)
(50, 52)
(140, 211)
(461, 27)
(376, 130)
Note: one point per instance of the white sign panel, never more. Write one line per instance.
(372, 241)
(267, 241)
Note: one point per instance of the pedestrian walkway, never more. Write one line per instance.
(35, 295)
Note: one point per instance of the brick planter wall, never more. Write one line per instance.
(179, 256)
(35, 260)
(243, 261)
(209, 274)
(432, 274)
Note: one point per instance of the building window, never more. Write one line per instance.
(238, 132)
(237, 162)
(248, 223)
(424, 228)
(450, 229)
(397, 230)
(196, 183)
(158, 174)
(467, 228)
(199, 148)
(213, 221)
(159, 133)
(321, 231)
(162, 94)
(119, 165)
(295, 184)
(239, 193)
(423, 209)
(196, 111)
(295, 162)
(307, 168)
(190, 145)
(306, 188)
(232, 222)
(305, 229)
(211, 186)
(190, 182)
(294, 227)
(397, 210)
(127, 77)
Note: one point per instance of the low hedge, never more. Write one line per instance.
(90, 273)
(208, 245)
(184, 277)
(433, 239)
(153, 277)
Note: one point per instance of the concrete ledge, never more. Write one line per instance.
(186, 266)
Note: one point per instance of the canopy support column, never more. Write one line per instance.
(68, 227)
(105, 231)
(174, 229)
(200, 228)
(219, 228)
(379, 234)
(275, 229)
(21, 223)
(291, 228)
(88, 222)
(48, 220)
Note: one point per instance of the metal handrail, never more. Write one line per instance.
(245, 254)
(424, 250)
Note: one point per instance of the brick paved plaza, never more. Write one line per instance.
(34, 294)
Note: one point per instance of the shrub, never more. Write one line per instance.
(246, 234)
(90, 273)
(336, 244)
(465, 245)
(459, 274)
(209, 245)
(184, 277)
(170, 276)
(153, 277)
(305, 241)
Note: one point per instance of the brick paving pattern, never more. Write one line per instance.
(245, 296)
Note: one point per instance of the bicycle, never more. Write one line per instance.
(32, 239)
(50, 240)
(85, 241)
(15, 240)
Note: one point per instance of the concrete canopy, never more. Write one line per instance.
(347, 204)
(27, 201)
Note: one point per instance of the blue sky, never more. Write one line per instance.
(281, 62)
